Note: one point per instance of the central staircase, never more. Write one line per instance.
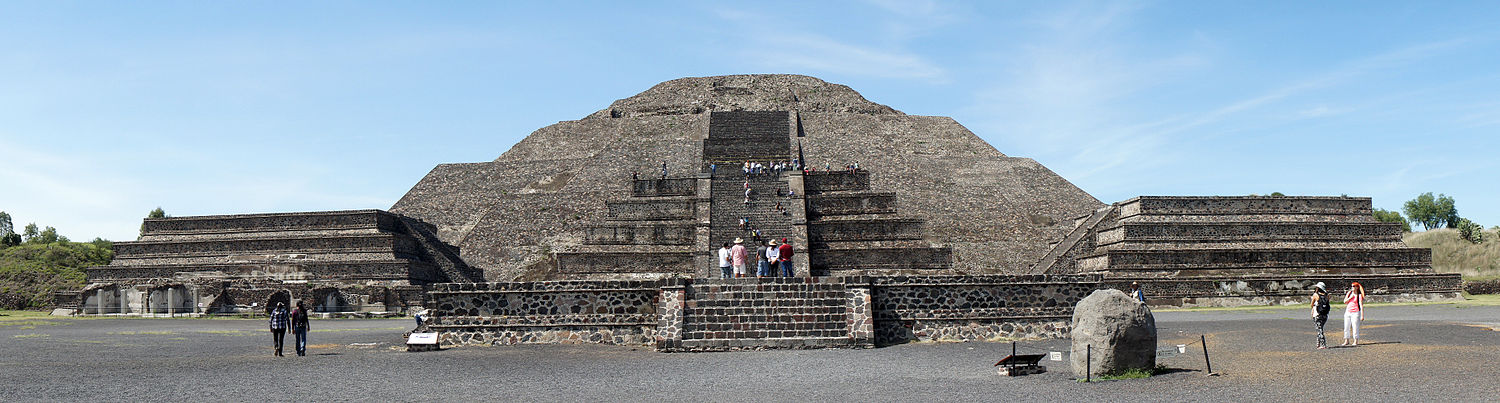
(749, 314)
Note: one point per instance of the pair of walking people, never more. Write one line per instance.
(296, 320)
(1354, 312)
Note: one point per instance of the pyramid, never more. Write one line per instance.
(591, 192)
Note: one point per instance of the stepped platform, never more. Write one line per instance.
(337, 260)
(1171, 240)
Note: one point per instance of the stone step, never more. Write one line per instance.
(1288, 258)
(820, 302)
(1239, 231)
(766, 343)
(1245, 205)
(326, 220)
(729, 333)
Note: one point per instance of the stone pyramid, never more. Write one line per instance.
(562, 190)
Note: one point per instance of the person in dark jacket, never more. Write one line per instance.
(299, 327)
(278, 326)
(1320, 307)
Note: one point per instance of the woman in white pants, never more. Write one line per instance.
(1355, 300)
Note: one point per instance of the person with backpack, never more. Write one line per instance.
(1353, 313)
(278, 326)
(299, 327)
(1320, 307)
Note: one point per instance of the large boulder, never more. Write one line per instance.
(1120, 329)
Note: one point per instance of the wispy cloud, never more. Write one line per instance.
(776, 46)
(818, 53)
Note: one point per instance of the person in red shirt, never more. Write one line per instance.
(784, 254)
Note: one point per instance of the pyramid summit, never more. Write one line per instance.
(926, 186)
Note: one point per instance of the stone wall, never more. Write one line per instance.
(1289, 289)
(1254, 231)
(238, 297)
(849, 204)
(865, 230)
(882, 259)
(641, 234)
(1188, 205)
(647, 210)
(1207, 260)
(664, 187)
(625, 262)
(607, 312)
(271, 222)
(398, 270)
(713, 315)
(355, 242)
(836, 181)
(964, 308)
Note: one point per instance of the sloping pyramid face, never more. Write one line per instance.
(513, 215)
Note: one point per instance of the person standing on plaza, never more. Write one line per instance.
(724, 261)
(784, 254)
(299, 328)
(1353, 313)
(1320, 308)
(278, 326)
(737, 257)
(1136, 293)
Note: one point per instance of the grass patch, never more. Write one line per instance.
(155, 333)
(31, 336)
(1133, 373)
(10, 315)
(1452, 254)
(29, 323)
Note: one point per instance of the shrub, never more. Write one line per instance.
(1470, 231)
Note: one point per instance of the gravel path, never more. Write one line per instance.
(1421, 353)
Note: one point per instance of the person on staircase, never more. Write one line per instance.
(724, 260)
(762, 267)
(773, 258)
(738, 257)
(784, 254)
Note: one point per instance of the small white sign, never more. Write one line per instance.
(422, 338)
(1056, 356)
(1181, 348)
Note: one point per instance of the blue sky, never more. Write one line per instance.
(109, 109)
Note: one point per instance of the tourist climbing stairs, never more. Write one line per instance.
(761, 214)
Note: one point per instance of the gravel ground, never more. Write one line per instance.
(1415, 353)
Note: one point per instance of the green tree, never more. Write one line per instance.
(1432, 211)
(1384, 215)
(6, 226)
(30, 232)
(48, 235)
(157, 213)
(1277, 194)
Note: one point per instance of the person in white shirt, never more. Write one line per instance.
(724, 265)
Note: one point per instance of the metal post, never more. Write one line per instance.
(1088, 365)
(1204, 340)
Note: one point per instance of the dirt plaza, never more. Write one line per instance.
(1423, 352)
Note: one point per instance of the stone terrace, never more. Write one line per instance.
(332, 245)
(1246, 249)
